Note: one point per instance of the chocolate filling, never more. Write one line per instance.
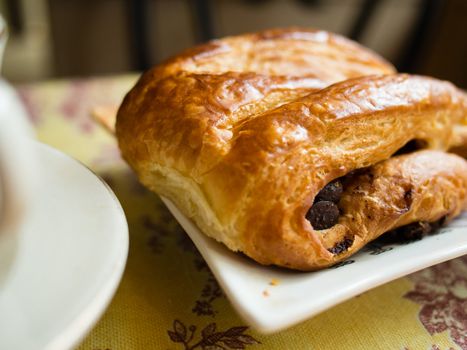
(332, 192)
(342, 246)
(413, 231)
(323, 215)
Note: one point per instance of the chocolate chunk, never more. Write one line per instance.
(410, 232)
(414, 231)
(323, 215)
(341, 246)
(331, 192)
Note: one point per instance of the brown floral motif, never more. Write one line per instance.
(163, 228)
(167, 227)
(158, 234)
(433, 347)
(211, 339)
(168, 224)
(436, 347)
(442, 292)
(211, 291)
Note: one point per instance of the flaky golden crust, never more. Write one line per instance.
(242, 134)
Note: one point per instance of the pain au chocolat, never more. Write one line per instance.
(296, 146)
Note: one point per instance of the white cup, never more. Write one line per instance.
(17, 166)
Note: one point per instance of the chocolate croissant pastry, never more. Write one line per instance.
(296, 147)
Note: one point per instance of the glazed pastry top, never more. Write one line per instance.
(243, 133)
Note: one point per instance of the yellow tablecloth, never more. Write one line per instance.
(168, 298)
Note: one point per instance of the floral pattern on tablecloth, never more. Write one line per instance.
(210, 337)
(442, 292)
(168, 298)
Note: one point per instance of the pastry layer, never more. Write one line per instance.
(243, 133)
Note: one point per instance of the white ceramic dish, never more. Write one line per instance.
(271, 299)
(70, 257)
(17, 162)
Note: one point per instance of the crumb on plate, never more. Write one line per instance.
(274, 282)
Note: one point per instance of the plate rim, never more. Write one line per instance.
(79, 327)
(90, 316)
(268, 325)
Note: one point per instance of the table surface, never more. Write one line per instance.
(168, 298)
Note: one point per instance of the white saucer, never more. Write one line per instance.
(70, 257)
(271, 299)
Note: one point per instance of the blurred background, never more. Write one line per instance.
(69, 38)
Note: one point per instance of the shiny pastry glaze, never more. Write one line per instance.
(243, 132)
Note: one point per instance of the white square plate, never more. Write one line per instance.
(293, 297)
(68, 260)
